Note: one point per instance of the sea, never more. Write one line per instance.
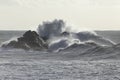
(18, 64)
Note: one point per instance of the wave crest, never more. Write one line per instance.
(58, 37)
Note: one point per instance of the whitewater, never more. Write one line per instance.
(84, 55)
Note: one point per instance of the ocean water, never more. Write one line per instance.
(7, 35)
(112, 35)
(94, 64)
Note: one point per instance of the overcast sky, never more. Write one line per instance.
(81, 14)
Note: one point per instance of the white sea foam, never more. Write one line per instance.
(53, 32)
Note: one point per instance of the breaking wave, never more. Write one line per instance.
(78, 44)
(58, 37)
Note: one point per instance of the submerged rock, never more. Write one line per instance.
(65, 34)
(29, 40)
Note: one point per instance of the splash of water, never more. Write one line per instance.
(58, 37)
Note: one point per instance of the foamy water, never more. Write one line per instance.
(17, 64)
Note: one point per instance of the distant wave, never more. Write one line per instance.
(8, 41)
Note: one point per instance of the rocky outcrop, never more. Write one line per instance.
(29, 40)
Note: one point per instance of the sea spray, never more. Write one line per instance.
(57, 36)
(51, 29)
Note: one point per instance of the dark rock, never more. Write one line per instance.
(30, 40)
(65, 34)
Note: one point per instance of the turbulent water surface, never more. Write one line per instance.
(69, 64)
